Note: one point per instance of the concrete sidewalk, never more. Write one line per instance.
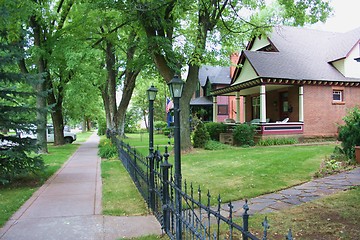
(68, 206)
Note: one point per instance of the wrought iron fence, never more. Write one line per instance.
(199, 219)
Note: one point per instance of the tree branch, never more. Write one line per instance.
(64, 13)
(111, 31)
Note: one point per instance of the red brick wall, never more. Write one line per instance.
(321, 116)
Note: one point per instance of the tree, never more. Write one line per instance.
(178, 34)
(16, 154)
(123, 57)
(349, 133)
(47, 20)
(139, 100)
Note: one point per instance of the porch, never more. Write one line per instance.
(274, 109)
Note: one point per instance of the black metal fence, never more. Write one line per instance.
(198, 218)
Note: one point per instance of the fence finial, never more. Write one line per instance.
(166, 154)
(246, 207)
(289, 235)
(266, 226)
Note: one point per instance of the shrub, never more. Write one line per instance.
(215, 129)
(201, 136)
(244, 135)
(349, 133)
(215, 145)
(14, 162)
(160, 125)
(166, 131)
(107, 149)
(277, 141)
(336, 163)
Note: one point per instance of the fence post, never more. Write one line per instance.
(166, 198)
(245, 220)
(151, 158)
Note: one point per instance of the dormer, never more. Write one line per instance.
(349, 65)
(263, 44)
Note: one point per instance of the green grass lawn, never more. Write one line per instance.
(141, 142)
(82, 136)
(120, 195)
(239, 173)
(248, 172)
(331, 218)
(13, 196)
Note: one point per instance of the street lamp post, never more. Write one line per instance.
(176, 87)
(151, 93)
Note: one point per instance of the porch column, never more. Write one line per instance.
(244, 107)
(215, 109)
(237, 107)
(262, 104)
(301, 104)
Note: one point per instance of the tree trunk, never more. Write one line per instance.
(40, 89)
(57, 117)
(130, 79)
(88, 124)
(145, 120)
(83, 125)
(129, 85)
(106, 103)
(191, 82)
(58, 123)
(111, 83)
(41, 118)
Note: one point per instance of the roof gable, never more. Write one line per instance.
(246, 74)
(302, 54)
(214, 74)
(344, 43)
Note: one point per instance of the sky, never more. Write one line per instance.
(345, 16)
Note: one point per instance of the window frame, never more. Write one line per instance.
(220, 106)
(340, 93)
(255, 107)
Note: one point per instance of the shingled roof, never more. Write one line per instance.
(215, 74)
(303, 54)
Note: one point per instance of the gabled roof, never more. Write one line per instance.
(216, 75)
(200, 101)
(344, 43)
(302, 54)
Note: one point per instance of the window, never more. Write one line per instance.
(197, 92)
(223, 110)
(338, 96)
(255, 107)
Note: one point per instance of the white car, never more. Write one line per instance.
(68, 136)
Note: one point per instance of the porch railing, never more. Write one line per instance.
(280, 128)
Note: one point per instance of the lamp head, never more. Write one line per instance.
(151, 93)
(176, 87)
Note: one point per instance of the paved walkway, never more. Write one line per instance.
(68, 206)
(299, 194)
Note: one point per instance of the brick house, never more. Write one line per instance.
(297, 81)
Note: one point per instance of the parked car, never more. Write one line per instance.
(68, 136)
